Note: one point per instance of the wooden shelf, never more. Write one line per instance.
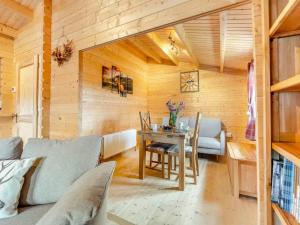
(291, 151)
(291, 84)
(284, 217)
(288, 20)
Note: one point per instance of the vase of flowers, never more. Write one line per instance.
(174, 110)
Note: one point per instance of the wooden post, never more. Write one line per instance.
(260, 17)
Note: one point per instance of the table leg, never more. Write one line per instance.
(181, 165)
(142, 157)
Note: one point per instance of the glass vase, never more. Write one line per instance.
(173, 119)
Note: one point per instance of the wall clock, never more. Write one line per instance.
(189, 81)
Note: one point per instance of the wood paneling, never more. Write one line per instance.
(101, 22)
(222, 39)
(221, 96)
(104, 112)
(289, 106)
(17, 13)
(7, 81)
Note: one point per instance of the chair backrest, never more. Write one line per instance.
(145, 120)
(196, 133)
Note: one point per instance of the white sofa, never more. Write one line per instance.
(212, 139)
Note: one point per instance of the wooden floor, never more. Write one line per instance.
(155, 201)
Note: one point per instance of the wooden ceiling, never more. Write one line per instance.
(14, 14)
(222, 40)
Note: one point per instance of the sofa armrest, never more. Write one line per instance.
(83, 200)
(223, 142)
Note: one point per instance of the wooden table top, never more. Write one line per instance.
(242, 151)
(178, 133)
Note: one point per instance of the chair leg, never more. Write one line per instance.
(197, 164)
(175, 162)
(162, 165)
(169, 166)
(193, 160)
(151, 159)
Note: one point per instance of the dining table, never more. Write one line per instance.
(177, 137)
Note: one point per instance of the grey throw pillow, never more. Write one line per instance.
(60, 164)
(83, 201)
(11, 148)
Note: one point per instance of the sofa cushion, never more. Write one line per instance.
(210, 127)
(27, 215)
(10, 148)
(82, 202)
(206, 142)
(62, 162)
(11, 180)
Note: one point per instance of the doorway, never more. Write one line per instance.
(27, 101)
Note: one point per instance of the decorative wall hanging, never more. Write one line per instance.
(63, 53)
(189, 81)
(114, 80)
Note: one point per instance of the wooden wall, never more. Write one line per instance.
(104, 112)
(93, 22)
(221, 96)
(7, 81)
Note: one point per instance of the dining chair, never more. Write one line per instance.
(155, 147)
(190, 152)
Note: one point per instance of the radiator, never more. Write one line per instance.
(118, 142)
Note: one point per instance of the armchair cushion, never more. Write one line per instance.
(81, 203)
(11, 148)
(60, 164)
(210, 127)
(206, 142)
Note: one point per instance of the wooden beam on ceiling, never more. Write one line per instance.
(18, 8)
(126, 44)
(223, 28)
(183, 37)
(145, 49)
(8, 31)
(157, 41)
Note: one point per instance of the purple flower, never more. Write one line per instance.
(174, 108)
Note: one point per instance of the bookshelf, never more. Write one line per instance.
(291, 151)
(290, 84)
(284, 36)
(285, 218)
(288, 20)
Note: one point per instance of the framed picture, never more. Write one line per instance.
(189, 81)
(129, 86)
(114, 80)
(106, 78)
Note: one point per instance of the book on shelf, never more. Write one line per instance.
(286, 186)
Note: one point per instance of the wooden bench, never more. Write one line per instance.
(241, 160)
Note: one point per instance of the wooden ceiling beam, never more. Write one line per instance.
(223, 28)
(8, 31)
(136, 42)
(18, 8)
(156, 41)
(185, 40)
(128, 46)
